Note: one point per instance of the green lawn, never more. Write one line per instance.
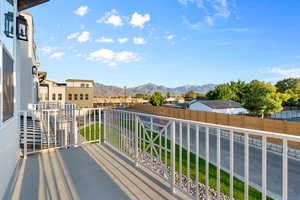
(115, 140)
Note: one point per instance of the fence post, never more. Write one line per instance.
(173, 155)
(25, 134)
(136, 137)
(105, 126)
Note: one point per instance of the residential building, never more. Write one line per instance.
(17, 58)
(218, 106)
(80, 92)
(51, 91)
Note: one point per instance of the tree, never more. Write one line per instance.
(222, 92)
(157, 99)
(290, 87)
(239, 89)
(262, 98)
(287, 84)
(193, 95)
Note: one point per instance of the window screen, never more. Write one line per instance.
(8, 86)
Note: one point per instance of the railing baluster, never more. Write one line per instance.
(197, 161)
(231, 146)
(285, 169)
(55, 129)
(246, 165)
(173, 155)
(25, 135)
(84, 125)
(166, 146)
(105, 126)
(188, 155)
(136, 141)
(48, 128)
(180, 154)
(207, 161)
(151, 135)
(264, 167)
(99, 126)
(33, 130)
(219, 162)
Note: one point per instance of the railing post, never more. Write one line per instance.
(25, 134)
(173, 155)
(100, 126)
(105, 125)
(136, 137)
(75, 129)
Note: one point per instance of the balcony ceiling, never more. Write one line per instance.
(25, 4)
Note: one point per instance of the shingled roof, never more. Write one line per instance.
(25, 4)
(219, 104)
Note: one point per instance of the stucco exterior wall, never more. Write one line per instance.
(80, 103)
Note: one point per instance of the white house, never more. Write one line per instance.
(17, 58)
(218, 106)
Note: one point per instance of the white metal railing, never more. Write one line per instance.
(194, 157)
(50, 105)
(56, 128)
(177, 150)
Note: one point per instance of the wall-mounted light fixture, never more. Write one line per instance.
(22, 28)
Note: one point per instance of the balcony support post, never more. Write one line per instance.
(105, 125)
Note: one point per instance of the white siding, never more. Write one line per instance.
(201, 107)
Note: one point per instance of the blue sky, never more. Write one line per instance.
(168, 42)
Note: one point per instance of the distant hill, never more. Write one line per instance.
(150, 88)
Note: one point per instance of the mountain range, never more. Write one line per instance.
(149, 88)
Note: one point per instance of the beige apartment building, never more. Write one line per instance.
(80, 92)
(77, 92)
(51, 91)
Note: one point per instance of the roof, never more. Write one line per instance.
(219, 104)
(25, 4)
(78, 80)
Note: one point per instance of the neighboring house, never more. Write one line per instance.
(218, 106)
(17, 58)
(102, 101)
(77, 92)
(51, 91)
(80, 92)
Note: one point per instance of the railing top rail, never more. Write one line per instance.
(236, 129)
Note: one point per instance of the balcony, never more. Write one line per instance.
(118, 154)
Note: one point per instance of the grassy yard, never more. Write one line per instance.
(115, 138)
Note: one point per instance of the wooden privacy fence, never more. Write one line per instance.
(276, 126)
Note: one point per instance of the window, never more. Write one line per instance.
(9, 25)
(8, 86)
(59, 97)
(75, 97)
(70, 97)
(86, 97)
(11, 2)
(87, 86)
(81, 96)
(82, 85)
(53, 97)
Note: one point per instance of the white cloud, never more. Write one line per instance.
(47, 49)
(73, 36)
(214, 8)
(138, 40)
(83, 37)
(111, 17)
(81, 11)
(285, 72)
(122, 40)
(171, 36)
(209, 21)
(105, 40)
(57, 55)
(111, 58)
(138, 20)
